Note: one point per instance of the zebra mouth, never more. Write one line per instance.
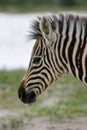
(31, 97)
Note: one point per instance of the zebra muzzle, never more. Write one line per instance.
(31, 97)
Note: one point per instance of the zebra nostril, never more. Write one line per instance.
(22, 95)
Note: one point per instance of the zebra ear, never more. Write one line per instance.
(45, 25)
(46, 30)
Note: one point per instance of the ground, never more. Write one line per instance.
(63, 106)
(44, 123)
(79, 123)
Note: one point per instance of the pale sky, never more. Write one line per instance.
(15, 49)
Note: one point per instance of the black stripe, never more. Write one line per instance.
(61, 16)
(86, 55)
(67, 29)
(40, 71)
(37, 78)
(48, 71)
(79, 61)
(66, 40)
(86, 28)
(86, 68)
(56, 60)
(71, 49)
(81, 51)
(41, 48)
(61, 20)
(64, 48)
(46, 62)
(36, 87)
(49, 58)
(56, 42)
(79, 54)
(45, 74)
(54, 64)
(36, 72)
(55, 53)
(59, 46)
(52, 61)
(70, 53)
(37, 50)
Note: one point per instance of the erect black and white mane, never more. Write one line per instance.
(59, 23)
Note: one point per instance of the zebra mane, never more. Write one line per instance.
(59, 19)
(35, 33)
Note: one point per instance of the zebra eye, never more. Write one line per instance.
(36, 60)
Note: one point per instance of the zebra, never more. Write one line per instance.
(60, 48)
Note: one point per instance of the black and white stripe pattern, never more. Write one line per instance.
(66, 54)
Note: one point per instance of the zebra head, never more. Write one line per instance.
(43, 68)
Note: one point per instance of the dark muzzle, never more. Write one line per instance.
(26, 98)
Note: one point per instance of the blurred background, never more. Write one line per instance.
(66, 98)
(15, 19)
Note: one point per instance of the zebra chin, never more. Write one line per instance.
(26, 98)
(31, 97)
